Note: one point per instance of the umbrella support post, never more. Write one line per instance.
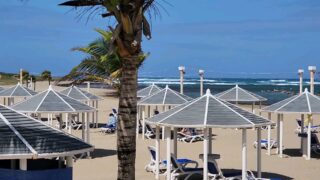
(175, 143)
(143, 125)
(210, 141)
(278, 133)
(205, 154)
(281, 137)
(168, 137)
(157, 151)
(244, 154)
(309, 140)
(259, 152)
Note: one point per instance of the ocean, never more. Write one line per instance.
(274, 90)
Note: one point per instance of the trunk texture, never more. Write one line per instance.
(127, 120)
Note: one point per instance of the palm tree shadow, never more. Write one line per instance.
(297, 153)
(100, 153)
(237, 171)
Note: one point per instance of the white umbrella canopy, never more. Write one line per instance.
(23, 137)
(79, 94)
(17, 91)
(304, 103)
(208, 112)
(51, 101)
(165, 96)
(238, 94)
(147, 91)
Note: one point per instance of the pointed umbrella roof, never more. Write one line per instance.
(208, 111)
(305, 103)
(165, 96)
(17, 91)
(152, 89)
(25, 137)
(51, 101)
(79, 94)
(237, 94)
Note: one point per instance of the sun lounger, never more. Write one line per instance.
(179, 170)
(314, 129)
(315, 144)
(151, 166)
(108, 129)
(190, 138)
(264, 143)
(149, 133)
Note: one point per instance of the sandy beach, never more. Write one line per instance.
(227, 143)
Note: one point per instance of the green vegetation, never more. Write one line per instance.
(8, 78)
(100, 65)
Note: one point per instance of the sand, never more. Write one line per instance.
(227, 143)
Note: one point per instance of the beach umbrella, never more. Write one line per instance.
(147, 91)
(86, 97)
(16, 91)
(165, 98)
(304, 103)
(53, 102)
(209, 112)
(23, 137)
(238, 94)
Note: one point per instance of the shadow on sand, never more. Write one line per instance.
(274, 176)
(297, 153)
(99, 153)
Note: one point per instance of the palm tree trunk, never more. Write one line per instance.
(127, 120)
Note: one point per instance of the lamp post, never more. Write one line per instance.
(312, 70)
(201, 74)
(182, 72)
(300, 73)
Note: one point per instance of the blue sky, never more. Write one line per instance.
(234, 38)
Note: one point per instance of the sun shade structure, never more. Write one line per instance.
(53, 102)
(25, 139)
(147, 91)
(304, 103)
(16, 91)
(238, 94)
(86, 97)
(165, 98)
(79, 94)
(209, 112)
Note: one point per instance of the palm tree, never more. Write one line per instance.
(100, 65)
(46, 75)
(131, 25)
(25, 76)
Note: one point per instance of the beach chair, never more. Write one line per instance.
(314, 129)
(214, 172)
(315, 144)
(179, 170)
(149, 133)
(108, 129)
(264, 143)
(151, 166)
(75, 125)
(190, 138)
